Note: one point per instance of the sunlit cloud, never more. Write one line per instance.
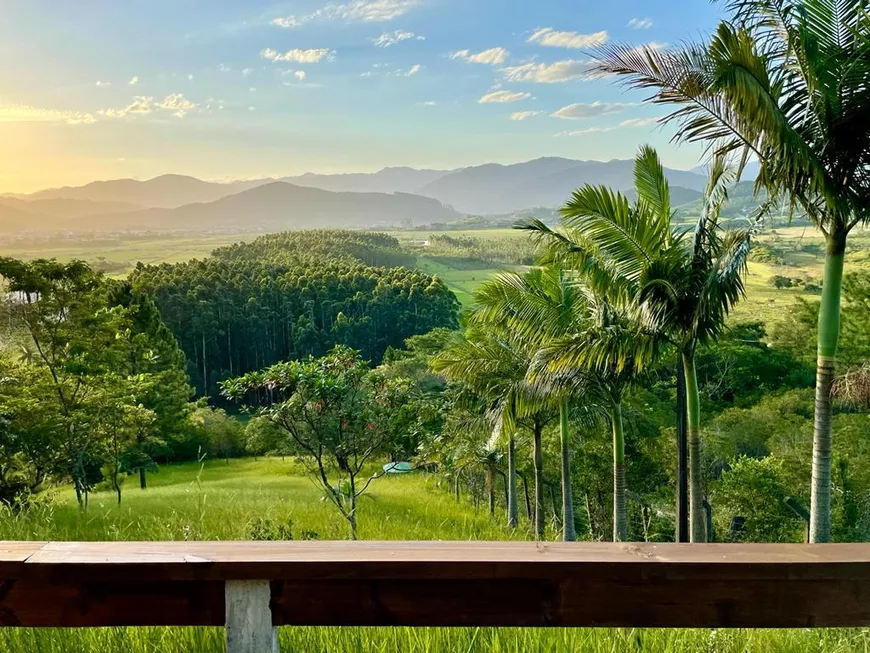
(502, 97)
(364, 11)
(176, 104)
(638, 122)
(26, 113)
(525, 115)
(549, 37)
(313, 55)
(591, 109)
(560, 71)
(134, 80)
(492, 57)
(416, 68)
(640, 23)
(102, 84)
(388, 39)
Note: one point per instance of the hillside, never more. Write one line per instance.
(388, 180)
(278, 206)
(166, 191)
(495, 188)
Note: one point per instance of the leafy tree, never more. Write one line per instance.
(783, 81)
(682, 288)
(335, 409)
(541, 306)
(157, 364)
(71, 334)
(493, 363)
(749, 503)
(223, 433)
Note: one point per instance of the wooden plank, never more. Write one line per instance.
(447, 583)
(33, 603)
(249, 617)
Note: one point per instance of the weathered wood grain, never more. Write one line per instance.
(439, 583)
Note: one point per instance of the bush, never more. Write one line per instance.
(755, 490)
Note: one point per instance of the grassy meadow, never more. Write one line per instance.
(216, 500)
(802, 256)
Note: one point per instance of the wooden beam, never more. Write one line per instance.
(440, 583)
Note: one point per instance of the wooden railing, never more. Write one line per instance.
(250, 587)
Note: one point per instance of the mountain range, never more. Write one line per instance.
(390, 197)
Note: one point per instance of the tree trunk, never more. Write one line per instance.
(143, 482)
(456, 487)
(828, 336)
(528, 501)
(693, 423)
(490, 489)
(539, 482)
(682, 498)
(620, 519)
(512, 483)
(568, 532)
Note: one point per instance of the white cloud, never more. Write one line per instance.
(252, 108)
(139, 105)
(367, 73)
(247, 71)
(364, 11)
(102, 84)
(560, 71)
(134, 80)
(590, 110)
(388, 39)
(223, 68)
(491, 57)
(631, 122)
(428, 103)
(588, 130)
(25, 113)
(551, 38)
(640, 23)
(300, 75)
(638, 122)
(190, 76)
(523, 115)
(314, 55)
(286, 22)
(177, 104)
(416, 68)
(503, 97)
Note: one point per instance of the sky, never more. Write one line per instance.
(221, 89)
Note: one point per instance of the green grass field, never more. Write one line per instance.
(763, 302)
(221, 501)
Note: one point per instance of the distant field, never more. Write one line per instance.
(802, 247)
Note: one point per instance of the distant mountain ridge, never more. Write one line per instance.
(279, 206)
(389, 197)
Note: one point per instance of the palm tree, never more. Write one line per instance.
(538, 307)
(631, 255)
(494, 364)
(785, 81)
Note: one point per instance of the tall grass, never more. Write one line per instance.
(224, 501)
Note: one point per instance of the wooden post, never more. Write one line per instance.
(249, 617)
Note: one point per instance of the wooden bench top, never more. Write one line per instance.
(439, 583)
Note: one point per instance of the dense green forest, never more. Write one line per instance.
(293, 295)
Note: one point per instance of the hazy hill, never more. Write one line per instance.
(495, 188)
(16, 220)
(278, 206)
(388, 180)
(67, 208)
(166, 191)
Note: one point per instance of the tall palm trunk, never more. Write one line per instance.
(539, 483)
(512, 483)
(568, 532)
(697, 528)
(829, 334)
(620, 519)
